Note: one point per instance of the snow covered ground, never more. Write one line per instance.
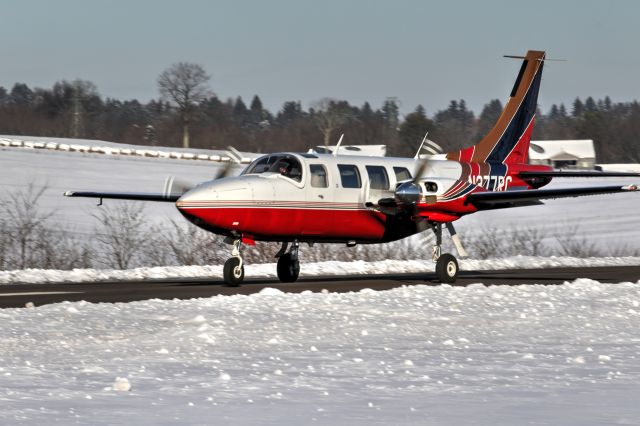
(330, 268)
(422, 355)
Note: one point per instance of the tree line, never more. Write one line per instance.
(188, 113)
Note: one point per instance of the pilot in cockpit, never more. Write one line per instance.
(284, 168)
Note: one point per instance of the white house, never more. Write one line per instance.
(563, 154)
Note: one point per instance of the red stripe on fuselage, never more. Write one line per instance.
(295, 222)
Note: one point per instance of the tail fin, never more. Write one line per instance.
(508, 141)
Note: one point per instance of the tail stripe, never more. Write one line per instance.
(510, 131)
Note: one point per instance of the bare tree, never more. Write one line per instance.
(28, 239)
(21, 212)
(123, 235)
(572, 241)
(184, 84)
(329, 115)
(190, 245)
(5, 245)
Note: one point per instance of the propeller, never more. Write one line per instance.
(173, 186)
(235, 157)
(407, 194)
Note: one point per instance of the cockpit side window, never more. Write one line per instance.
(260, 165)
(402, 173)
(286, 165)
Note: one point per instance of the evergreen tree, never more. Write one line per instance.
(240, 112)
(578, 108)
(290, 112)
(391, 119)
(454, 126)
(4, 96)
(412, 131)
(488, 118)
(21, 95)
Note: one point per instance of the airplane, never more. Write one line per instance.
(293, 198)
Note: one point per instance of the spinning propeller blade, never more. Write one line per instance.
(173, 186)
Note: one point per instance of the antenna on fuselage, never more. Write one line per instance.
(335, 152)
(421, 145)
(430, 146)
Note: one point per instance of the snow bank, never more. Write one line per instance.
(114, 148)
(330, 268)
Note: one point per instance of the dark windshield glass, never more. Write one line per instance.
(287, 165)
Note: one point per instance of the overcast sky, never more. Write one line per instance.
(420, 52)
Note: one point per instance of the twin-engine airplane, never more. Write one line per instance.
(325, 198)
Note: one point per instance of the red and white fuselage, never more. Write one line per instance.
(334, 198)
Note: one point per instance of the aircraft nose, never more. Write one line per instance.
(194, 196)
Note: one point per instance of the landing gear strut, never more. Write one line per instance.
(288, 264)
(233, 270)
(446, 264)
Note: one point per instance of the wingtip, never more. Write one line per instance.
(630, 188)
(68, 194)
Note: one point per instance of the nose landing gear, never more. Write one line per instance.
(446, 264)
(288, 264)
(233, 271)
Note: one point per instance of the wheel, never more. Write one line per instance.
(447, 268)
(288, 268)
(233, 274)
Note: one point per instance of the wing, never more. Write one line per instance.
(505, 199)
(575, 173)
(172, 198)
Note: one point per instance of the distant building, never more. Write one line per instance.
(560, 154)
(624, 167)
(563, 154)
(368, 150)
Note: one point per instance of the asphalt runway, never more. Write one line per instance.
(19, 295)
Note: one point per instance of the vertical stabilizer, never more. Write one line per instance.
(508, 140)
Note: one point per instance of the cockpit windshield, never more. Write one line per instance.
(284, 164)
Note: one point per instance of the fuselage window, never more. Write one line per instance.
(401, 173)
(378, 178)
(318, 176)
(349, 175)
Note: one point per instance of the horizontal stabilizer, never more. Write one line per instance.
(124, 196)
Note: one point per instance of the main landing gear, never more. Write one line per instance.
(446, 264)
(288, 264)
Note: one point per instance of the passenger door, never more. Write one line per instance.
(319, 195)
(378, 186)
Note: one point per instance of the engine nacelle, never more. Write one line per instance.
(408, 193)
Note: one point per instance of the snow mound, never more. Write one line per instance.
(564, 354)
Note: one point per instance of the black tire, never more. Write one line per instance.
(447, 268)
(230, 274)
(288, 268)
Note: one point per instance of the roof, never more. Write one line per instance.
(367, 150)
(546, 150)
